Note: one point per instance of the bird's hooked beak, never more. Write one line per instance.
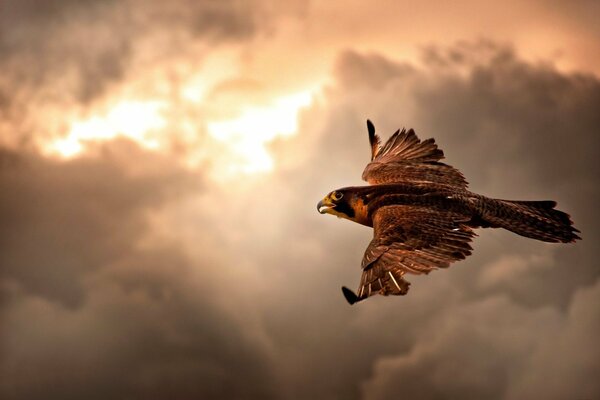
(325, 205)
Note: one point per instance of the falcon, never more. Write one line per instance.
(423, 215)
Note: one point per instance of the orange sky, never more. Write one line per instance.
(169, 78)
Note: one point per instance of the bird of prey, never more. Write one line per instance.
(423, 216)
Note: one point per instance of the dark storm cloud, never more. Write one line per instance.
(495, 349)
(63, 220)
(154, 336)
(92, 306)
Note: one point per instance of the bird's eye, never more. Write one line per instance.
(337, 195)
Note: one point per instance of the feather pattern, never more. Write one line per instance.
(413, 240)
(405, 158)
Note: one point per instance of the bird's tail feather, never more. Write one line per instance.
(533, 219)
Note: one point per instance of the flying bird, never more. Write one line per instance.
(423, 215)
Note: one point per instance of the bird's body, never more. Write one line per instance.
(423, 216)
(364, 201)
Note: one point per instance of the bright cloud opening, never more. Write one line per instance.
(236, 146)
(247, 134)
(131, 119)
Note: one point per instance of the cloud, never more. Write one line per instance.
(66, 55)
(101, 305)
(488, 111)
(63, 220)
(126, 274)
(563, 362)
(161, 336)
(466, 352)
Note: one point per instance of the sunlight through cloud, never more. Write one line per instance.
(131, 119)
(247, 134)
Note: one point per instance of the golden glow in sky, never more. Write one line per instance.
(247, 134)
(132, 119)
(239, 141)
(224, 104)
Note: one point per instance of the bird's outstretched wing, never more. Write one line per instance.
(410, 239)
(405, 158)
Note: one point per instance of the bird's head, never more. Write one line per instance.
(344, 203)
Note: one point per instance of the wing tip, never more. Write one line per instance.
(374, 140)
(349, 295)
(370, 127)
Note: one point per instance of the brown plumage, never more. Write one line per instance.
(423, 216)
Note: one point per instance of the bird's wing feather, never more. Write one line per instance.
(405, 158)
(411, 239)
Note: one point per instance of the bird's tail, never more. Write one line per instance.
(533, 219)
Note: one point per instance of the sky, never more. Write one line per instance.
(160, 165)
